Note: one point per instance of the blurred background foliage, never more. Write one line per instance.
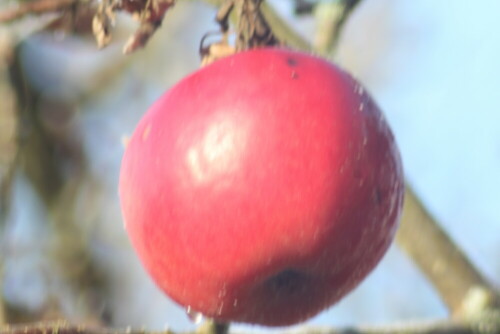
(66, 109)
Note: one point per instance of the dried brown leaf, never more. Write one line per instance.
(150, 18)
(102, 23)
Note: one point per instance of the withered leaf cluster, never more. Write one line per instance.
(149, 13)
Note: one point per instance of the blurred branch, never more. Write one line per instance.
(8, 145)
(35, 7)
(487, 324)
(8, 124)
(461, 286)
(36, 151)
(53, 160)
(71, 249)
(3, 318)
(2, 311)
(330, 19)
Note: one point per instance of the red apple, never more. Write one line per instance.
(262, 188)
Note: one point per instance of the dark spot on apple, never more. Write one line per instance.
(292, 61)
(287, 282)
(294, 75)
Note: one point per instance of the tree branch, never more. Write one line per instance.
(8, 144)
(8, 126)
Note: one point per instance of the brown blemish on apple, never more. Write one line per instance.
(287, 282)
(292, 62)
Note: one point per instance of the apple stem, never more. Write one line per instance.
(211, 326)
(252, 30)
(252, 27)
(280, 28)
(461, 286)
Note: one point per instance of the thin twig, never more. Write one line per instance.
(36, 7)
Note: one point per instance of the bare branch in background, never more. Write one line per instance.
(330, 19)
(52, 159)
(8, 123)
(8, 143)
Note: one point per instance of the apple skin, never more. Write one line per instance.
(262, 188)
